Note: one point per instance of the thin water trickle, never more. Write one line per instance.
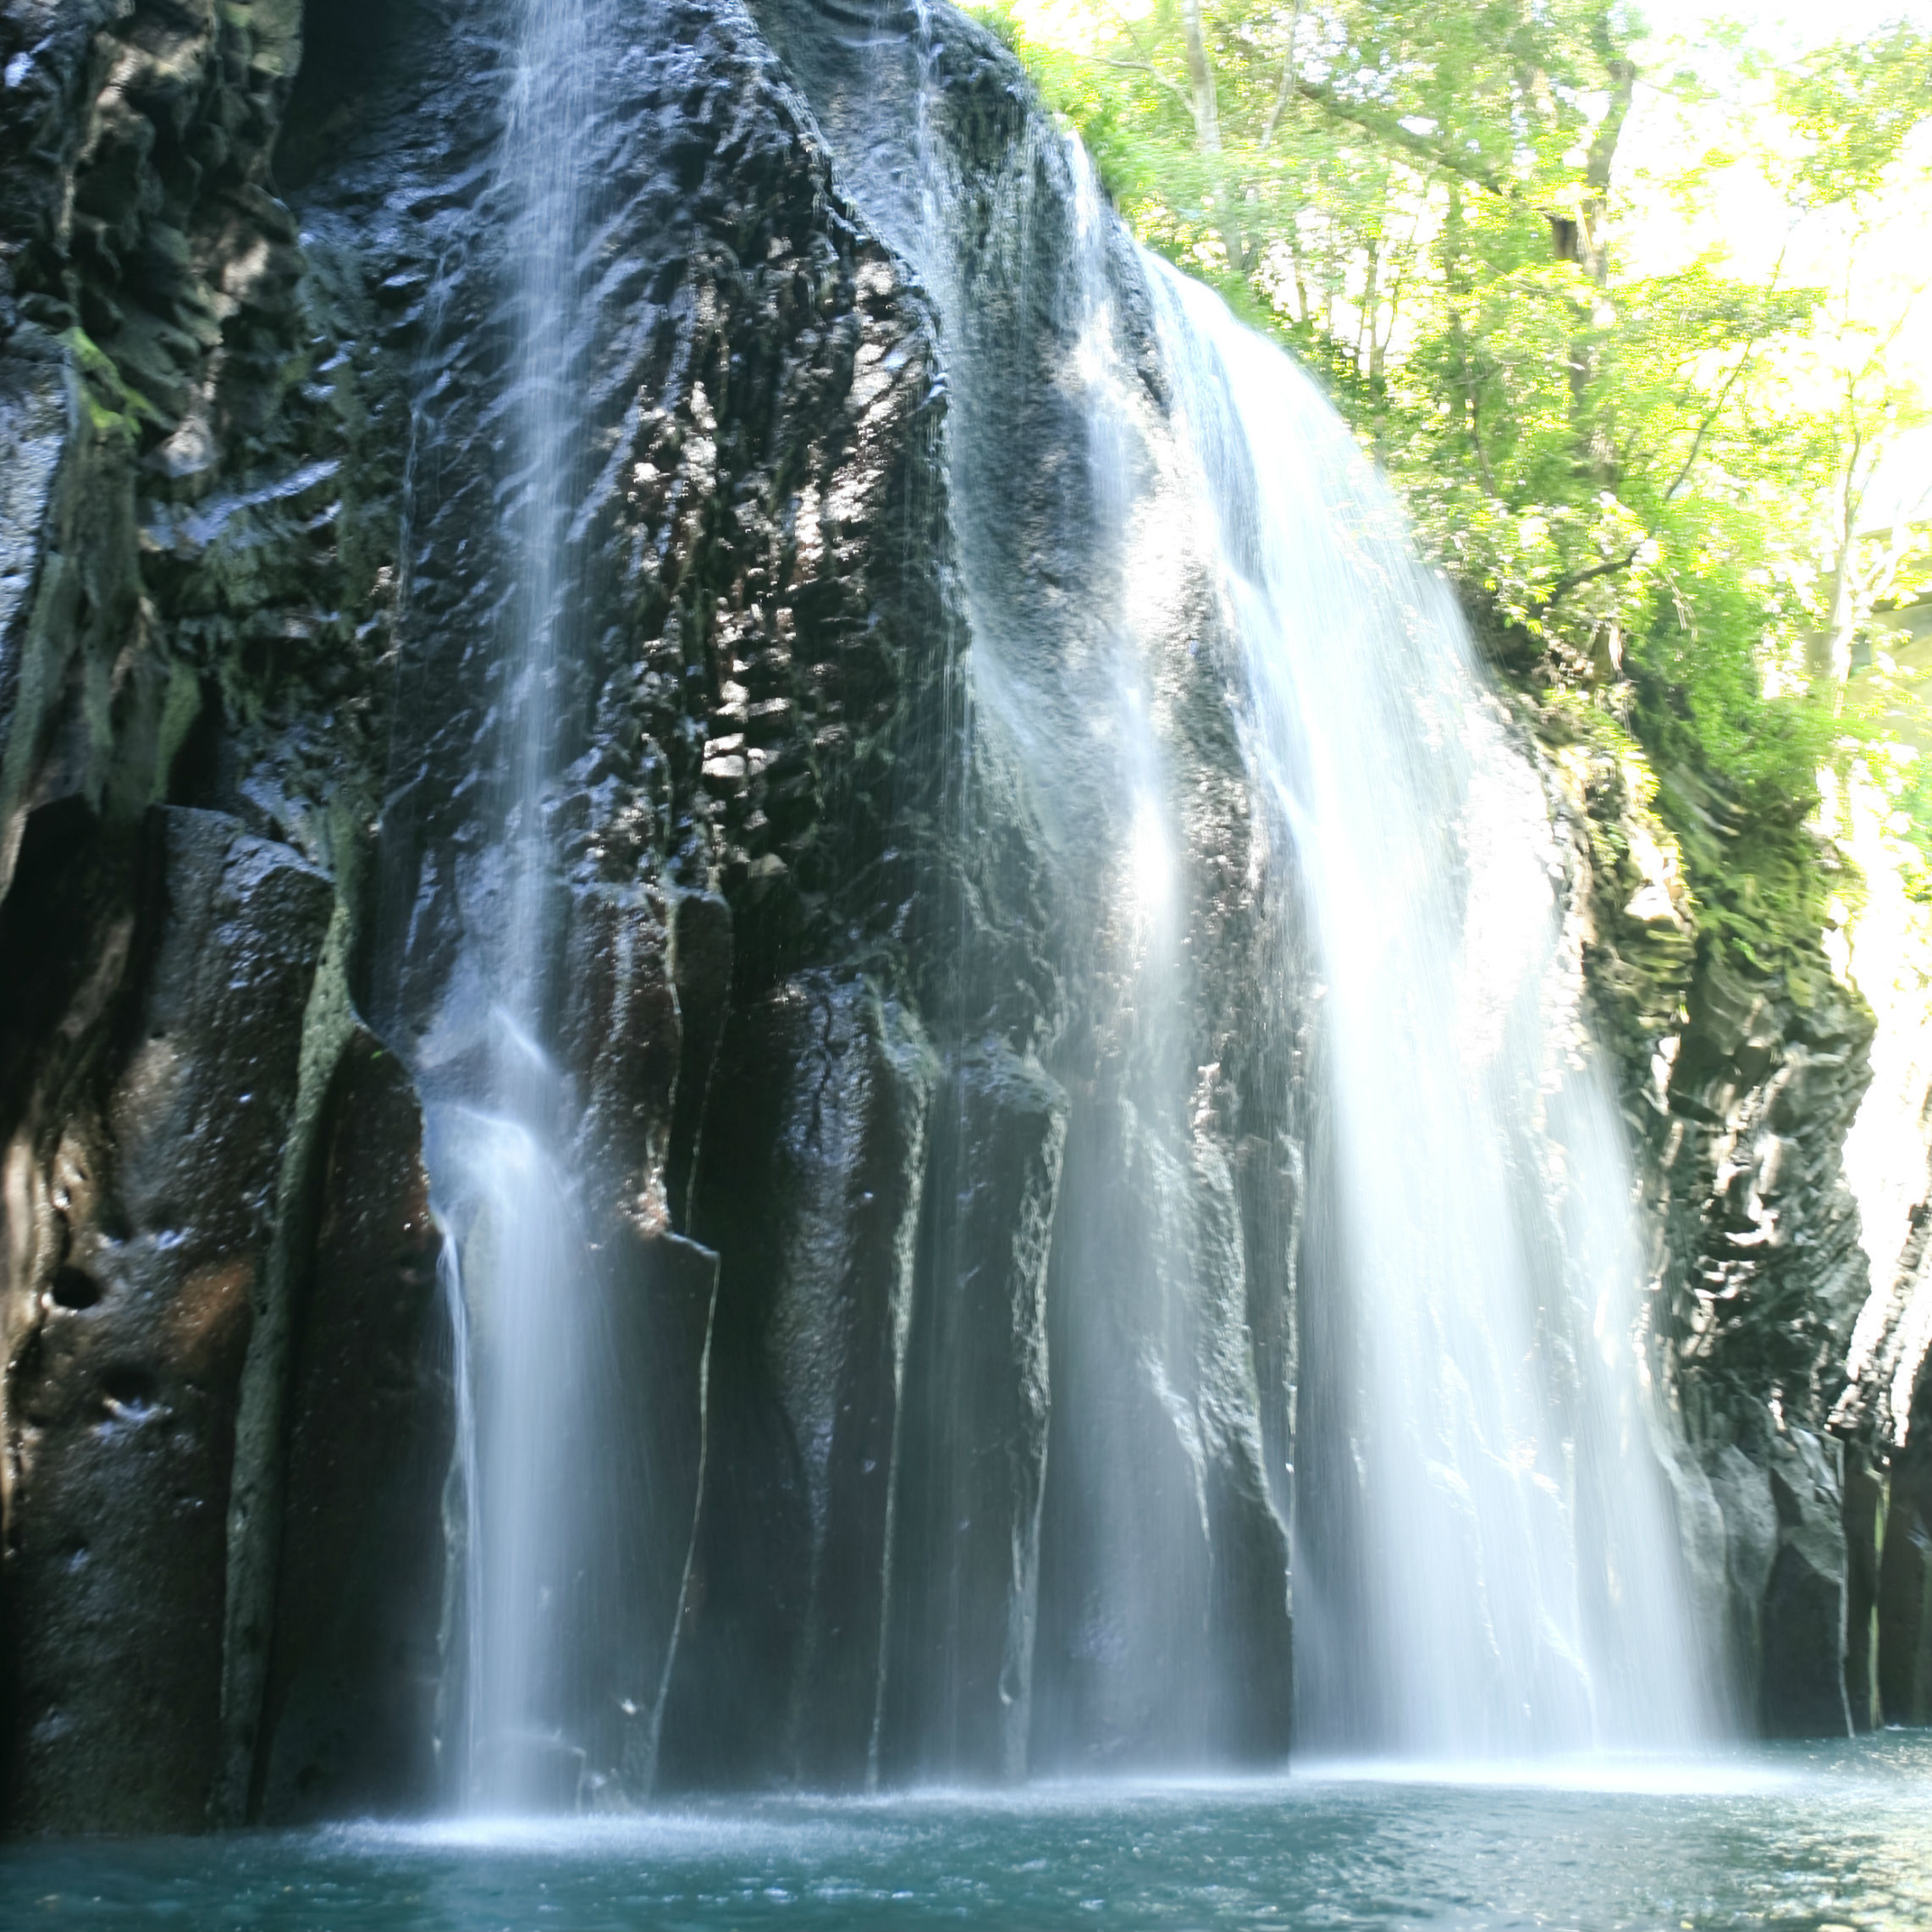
(1485, 1565)
(462, 1605)
(521, 1269)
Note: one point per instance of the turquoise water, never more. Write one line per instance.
(1803, 1838)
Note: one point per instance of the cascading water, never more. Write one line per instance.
(1484, 1561)
(1145, 1639)
(990, 1002)
(538, 1403)
(1202, 653)
(1077, 581)
(1485, 1564)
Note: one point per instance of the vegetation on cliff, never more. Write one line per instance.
(1627, 320)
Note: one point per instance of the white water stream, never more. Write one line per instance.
(527, 1314)
(1485, 1562)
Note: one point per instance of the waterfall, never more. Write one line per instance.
(1346, 1235)
(1484, 1560)
(1146, 1310)
(1335, 1241)
(543, 1498)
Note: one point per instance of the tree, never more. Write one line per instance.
(1620, 460)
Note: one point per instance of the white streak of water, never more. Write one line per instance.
(1494, 1573)
(528, 1310)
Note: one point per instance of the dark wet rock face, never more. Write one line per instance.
(972, 1479)
(153, 373)
(747, 778)
(812, 1169)
(354, 1665)
(1119, 1407)
(1902, 1614)
(148, 1181)
(954, 1282)
(1739, 1077)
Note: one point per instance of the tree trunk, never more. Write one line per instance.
(1586, 242)
(1207, 135)
(1370, 299)
(1454, 288)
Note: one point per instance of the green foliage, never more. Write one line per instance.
(1623, 457)
(1912, 803)
(1856, 103)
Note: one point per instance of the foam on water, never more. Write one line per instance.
(1837, 1835)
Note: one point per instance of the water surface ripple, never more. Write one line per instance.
(1807, 1838)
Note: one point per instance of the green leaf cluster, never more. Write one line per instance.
(1622, 453)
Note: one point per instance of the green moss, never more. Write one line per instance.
(115, 408)
(179, 709)
(1758, 881)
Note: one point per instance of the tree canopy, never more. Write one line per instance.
(1626, 319)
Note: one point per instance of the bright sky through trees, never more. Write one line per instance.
(1631, 305)
(1621, 298)
(1748, 211)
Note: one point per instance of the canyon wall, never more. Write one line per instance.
(856, 1058)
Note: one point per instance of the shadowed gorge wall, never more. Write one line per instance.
(951, 1203)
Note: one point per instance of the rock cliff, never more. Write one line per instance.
(855, 1061)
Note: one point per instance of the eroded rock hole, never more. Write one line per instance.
(74, 1287)
(128, 1394)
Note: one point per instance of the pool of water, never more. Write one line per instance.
(1809, 1838)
